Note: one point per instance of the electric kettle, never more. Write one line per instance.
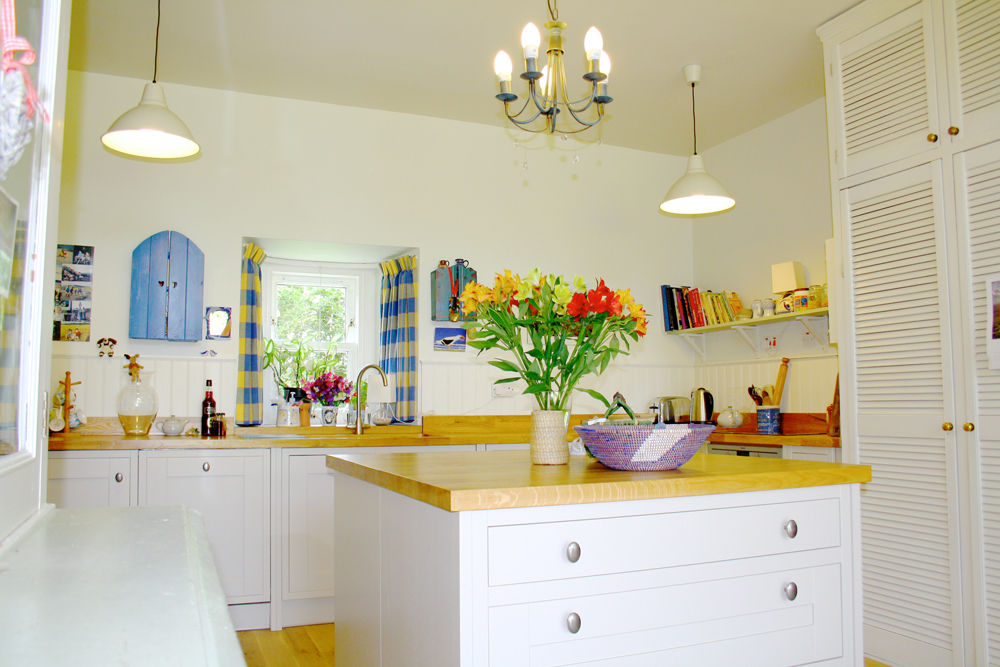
(702, 404)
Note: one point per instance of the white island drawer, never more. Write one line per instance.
(751, 620)
(545, 551)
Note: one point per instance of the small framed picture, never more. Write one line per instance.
(449, 339)
(218, 322)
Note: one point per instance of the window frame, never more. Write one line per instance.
(361, 340)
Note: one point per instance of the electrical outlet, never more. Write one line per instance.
(508, 389)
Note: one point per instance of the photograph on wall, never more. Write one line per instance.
(993, 321)
(74, 284)
(450, 339)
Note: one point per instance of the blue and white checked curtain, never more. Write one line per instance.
(398, 332)
(10, 348)
(249, 393)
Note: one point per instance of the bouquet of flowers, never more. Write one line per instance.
(556, 331)
(329, 389)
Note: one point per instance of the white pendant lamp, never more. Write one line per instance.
(696, 192)
(151, 130)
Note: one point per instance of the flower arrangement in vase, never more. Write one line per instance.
(557, 332)
(331, 391)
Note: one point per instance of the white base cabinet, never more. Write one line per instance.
(93, 479)
(710, 580)
(231, 489)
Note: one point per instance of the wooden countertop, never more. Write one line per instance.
(457, 481)
(104, 433)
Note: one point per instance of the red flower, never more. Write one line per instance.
(577, 306)
(604, 300)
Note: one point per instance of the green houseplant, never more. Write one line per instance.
(294, 364)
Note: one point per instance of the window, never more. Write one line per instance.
(330, 308)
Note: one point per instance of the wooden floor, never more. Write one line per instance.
(302, 646)
(308, 645)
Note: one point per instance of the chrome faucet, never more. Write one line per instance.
(357, 387)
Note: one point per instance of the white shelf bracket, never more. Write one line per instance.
(697, 343)
(751, 336)
(820, 334)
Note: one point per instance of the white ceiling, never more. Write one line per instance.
(761, 58)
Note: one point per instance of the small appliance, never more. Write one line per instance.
(702, 404)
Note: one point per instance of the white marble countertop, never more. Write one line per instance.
(128, 586)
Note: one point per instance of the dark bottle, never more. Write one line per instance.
(207, 410)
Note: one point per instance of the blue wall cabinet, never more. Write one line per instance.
(168, 274)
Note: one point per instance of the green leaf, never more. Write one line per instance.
(504, 365)
(596, 394)
(536, 389)
(506, 380)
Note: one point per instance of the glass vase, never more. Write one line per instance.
(137, 407)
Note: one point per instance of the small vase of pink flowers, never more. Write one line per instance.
(332, 392)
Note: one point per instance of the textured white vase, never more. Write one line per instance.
(548, 437)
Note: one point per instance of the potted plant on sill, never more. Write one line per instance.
(556, 332)
(293, 364)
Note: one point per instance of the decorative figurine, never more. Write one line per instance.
(106, 346)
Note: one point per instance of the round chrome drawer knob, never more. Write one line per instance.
(791, 528)
(119, 477)
(573, 552)
(791, 590)
(573, 622)
(205, 466)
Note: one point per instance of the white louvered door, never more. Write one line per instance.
(902, 380)
(974, 55)
(888, 92)
(977, 184)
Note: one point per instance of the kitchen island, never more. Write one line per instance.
(480, 558)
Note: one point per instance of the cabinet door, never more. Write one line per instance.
(897, 386)
(978, 204)
(883, 87)
(974, 67)
(309, 515)
(231, 490)
(168, 275)
(91, 479)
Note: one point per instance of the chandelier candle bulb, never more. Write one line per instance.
(531, 38)
(503, 66)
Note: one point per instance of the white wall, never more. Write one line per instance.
(276, 167)
(779, 175)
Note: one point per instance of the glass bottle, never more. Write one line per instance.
(207, 410)
(137, 407)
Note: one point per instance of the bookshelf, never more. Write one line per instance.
(749, 330)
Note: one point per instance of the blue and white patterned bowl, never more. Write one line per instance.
(644, 446)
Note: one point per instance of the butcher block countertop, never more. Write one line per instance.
(457, 481)
(104, 433)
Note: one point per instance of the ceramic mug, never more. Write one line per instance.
(768, 307)
(768, 420)
(758, 309)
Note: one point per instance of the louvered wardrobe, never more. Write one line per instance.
(913, 109)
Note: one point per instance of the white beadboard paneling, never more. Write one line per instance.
(179, 382)
(809, 384)
(465, 388)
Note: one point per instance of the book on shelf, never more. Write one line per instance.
(669, 314)
(692, 308)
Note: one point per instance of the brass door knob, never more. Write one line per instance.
(932, 137)
(968, 427)
(947, 426)
(953, 130)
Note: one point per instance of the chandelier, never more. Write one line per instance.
(548, 107)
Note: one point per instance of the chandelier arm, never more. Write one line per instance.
(543, 107)
(506, 108)
(600, 115)
(522, 123)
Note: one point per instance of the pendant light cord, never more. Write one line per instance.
(694, 121)
(156, 49)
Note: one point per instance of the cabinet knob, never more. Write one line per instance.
(791, 590)
(119, 477)
(968, 427)
(573, 622)
(205, 466)
(791, 528)
(947, 426)
(932, 137)
(573, 552)
(953, 130)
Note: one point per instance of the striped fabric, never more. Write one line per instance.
(249, 391)
(398, 332)
(10, 348)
